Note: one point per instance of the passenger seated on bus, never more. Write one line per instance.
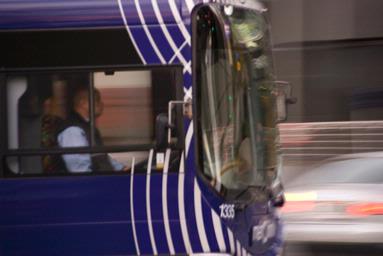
(76, 133)
(51, 121)
(28, 132)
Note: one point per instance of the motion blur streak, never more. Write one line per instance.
(366, 209)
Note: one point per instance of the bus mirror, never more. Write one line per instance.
(162, 131)
(283, 97)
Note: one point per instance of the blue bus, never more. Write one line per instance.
(190, 109)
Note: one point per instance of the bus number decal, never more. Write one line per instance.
(227, 211)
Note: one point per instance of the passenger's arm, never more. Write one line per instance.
(75, 137)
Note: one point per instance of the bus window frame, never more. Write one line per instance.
(3, 124)
(6, 152)
(199, 158)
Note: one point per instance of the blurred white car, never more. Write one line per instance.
(340, 201)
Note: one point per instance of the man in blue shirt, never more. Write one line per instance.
(76, 133)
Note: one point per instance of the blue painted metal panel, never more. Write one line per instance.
(161, 42)
(156, 213)
(41, 214)
(57, 14)
(77, 239)
(173, 214)
(145, 46)
(140, 12)
(51, 14)
(209, 226)
(177, 36)
(64, 200)
(189, 198)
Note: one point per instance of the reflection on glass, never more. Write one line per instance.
(238, 115)
(128, 111)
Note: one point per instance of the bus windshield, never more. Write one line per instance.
(237, 103)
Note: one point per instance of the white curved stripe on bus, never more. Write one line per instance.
(181, 206)
(130, 33)
(148, 206)
(231, 241)
(190, 5)
(132, 208)
(147, 32)
(180, 24)
(188, 93)
(218, 231)
(189, 136)
(169, 238)
(187, 67)
(182, 164)
(238, 248)
(177, 52)
(200, 218)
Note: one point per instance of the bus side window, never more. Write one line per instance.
(24, 121)
(30, 112)
(32, 104)
(40, 107)
(16, 87)
(127, 117)
(132, 100)
(55, 113)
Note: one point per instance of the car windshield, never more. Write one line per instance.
(359, 170)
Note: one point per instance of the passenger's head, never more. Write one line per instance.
(81, 102)
(188, 108)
